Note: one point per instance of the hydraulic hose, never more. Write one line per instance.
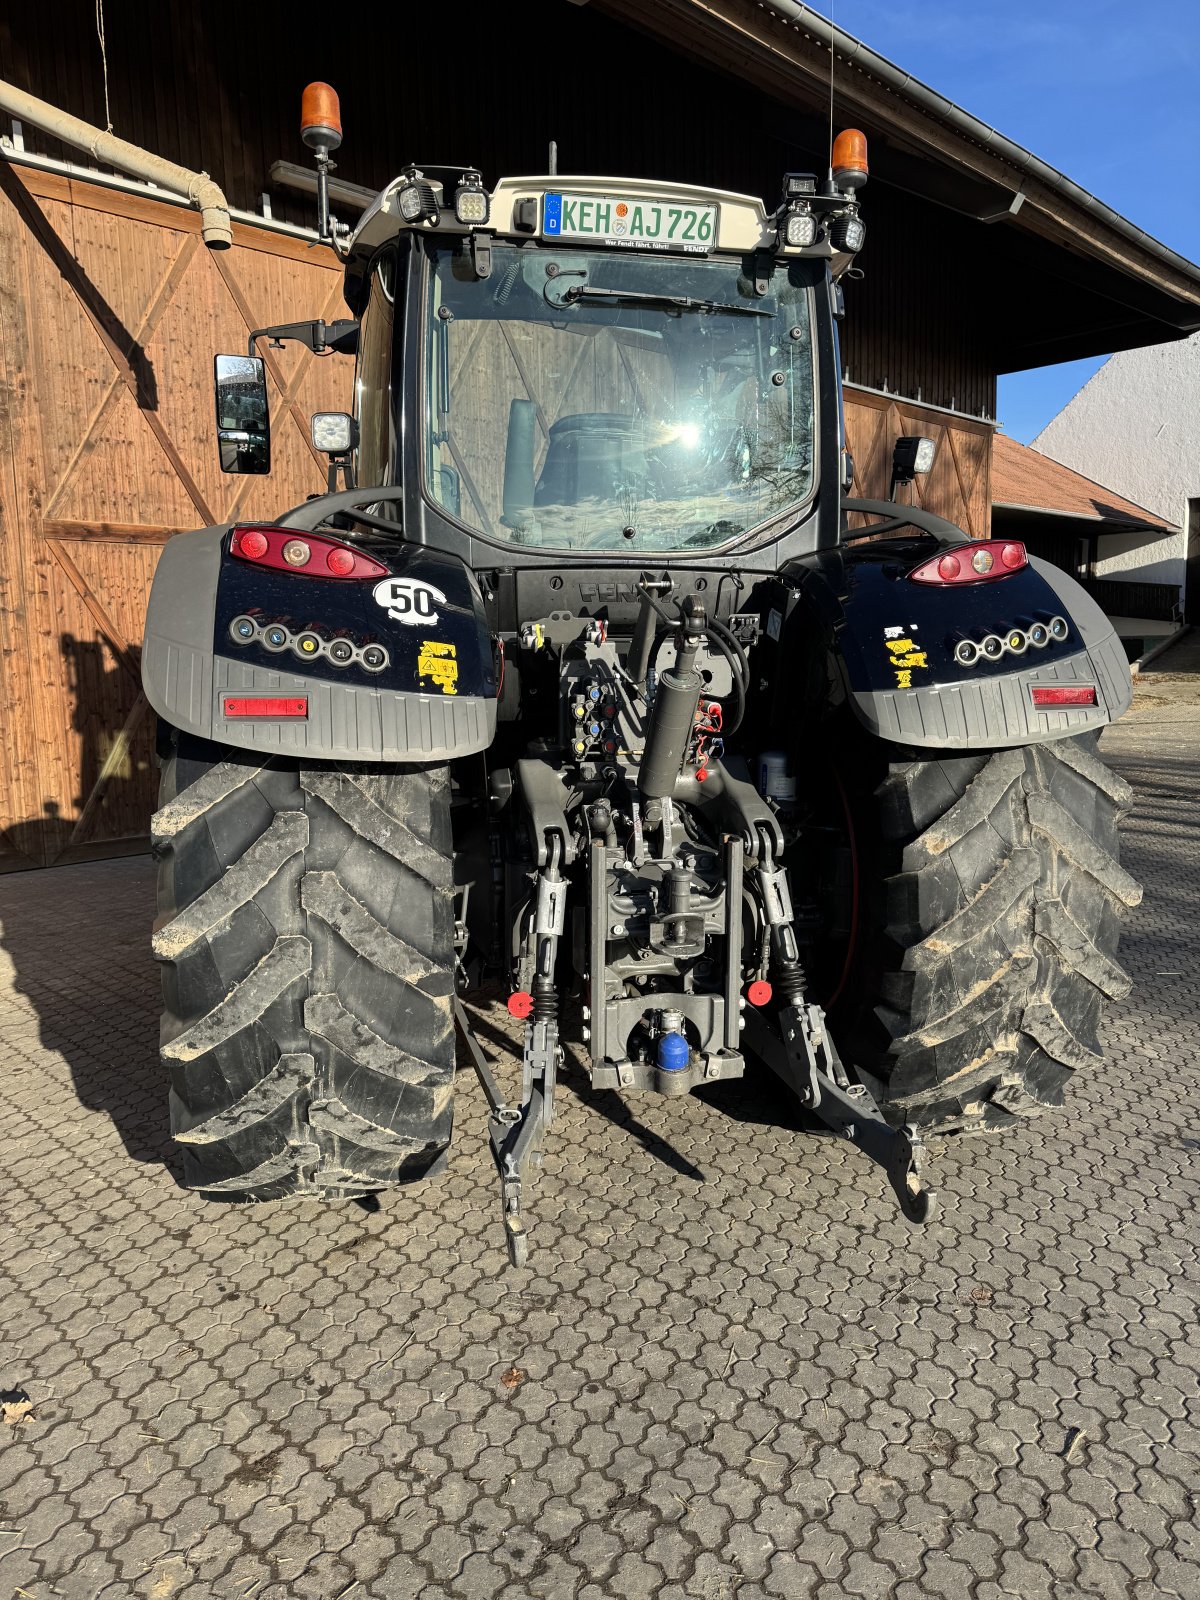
(735, 644)
(741, 682)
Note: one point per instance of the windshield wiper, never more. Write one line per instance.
(669, 302)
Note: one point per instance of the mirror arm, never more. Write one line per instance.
(320, 337)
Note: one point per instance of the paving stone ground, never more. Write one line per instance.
(741, 1375)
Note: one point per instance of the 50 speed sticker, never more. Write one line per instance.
(411, 601)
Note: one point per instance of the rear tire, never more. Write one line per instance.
(997, 931)
(306, 933)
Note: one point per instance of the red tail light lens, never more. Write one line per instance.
(265, 706)
(278, 548)
(251, 544)
(1065, 694)
(973, 563)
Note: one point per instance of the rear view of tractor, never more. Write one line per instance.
(586, 677)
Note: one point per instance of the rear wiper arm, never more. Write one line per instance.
(669, 302)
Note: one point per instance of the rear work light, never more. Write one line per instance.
(265, 705)
(308, 555)
(1064, 694)
(972, 563)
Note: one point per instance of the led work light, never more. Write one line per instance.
(471, 202)
(912, 457)
(847, 233)
(418, 200)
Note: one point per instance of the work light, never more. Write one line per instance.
(471, 203)
(333, 432)
(911, 457)
(800, 228)
(847, 233)
(418, 201)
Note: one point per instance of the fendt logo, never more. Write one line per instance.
(409, 600)
(599, 593)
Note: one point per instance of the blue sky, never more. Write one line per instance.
(1108, 91)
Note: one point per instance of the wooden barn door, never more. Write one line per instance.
(958, 488)
(112, 312)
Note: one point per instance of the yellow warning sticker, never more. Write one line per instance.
(436, 661)
(905, 658)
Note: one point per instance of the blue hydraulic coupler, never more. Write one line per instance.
(673, 1053)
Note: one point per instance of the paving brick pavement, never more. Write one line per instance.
(743, 1376)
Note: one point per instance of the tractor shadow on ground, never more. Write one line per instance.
(75, 938)
(94, 989)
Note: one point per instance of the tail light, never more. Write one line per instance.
(308, 555)
(1064, 694)
(972, 563)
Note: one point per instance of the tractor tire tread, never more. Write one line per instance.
(1002, 925)
(305, 937)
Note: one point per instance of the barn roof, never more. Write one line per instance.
(1023, 479)
(1067, 275)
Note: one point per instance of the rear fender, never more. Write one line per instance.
(434, 699)
(887, 647)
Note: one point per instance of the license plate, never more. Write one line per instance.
(636, 224)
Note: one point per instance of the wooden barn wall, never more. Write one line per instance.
(112, 311)
(493, 84)
(959, 487)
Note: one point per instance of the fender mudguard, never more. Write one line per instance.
(433, 699)
(891, 646)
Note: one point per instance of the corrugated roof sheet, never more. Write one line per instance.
(1025, 479)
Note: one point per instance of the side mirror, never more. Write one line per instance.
(243, 417)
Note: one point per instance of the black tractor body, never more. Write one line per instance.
(589, 680)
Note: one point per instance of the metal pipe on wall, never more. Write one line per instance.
(196, 187)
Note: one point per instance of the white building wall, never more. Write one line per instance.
(1130, 555)
(1135, 428)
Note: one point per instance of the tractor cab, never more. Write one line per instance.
(597, 367)
(603, 366)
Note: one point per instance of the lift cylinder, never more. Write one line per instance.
(671, 725)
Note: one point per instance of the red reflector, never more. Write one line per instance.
(759, 992)
(520, 1003)
(265, 706)
(1066, 694)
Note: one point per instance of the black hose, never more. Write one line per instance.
(720, 628)
(740, 684)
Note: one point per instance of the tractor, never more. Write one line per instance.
(588, 678)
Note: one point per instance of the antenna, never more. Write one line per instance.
(832, 41)
(554, 158)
